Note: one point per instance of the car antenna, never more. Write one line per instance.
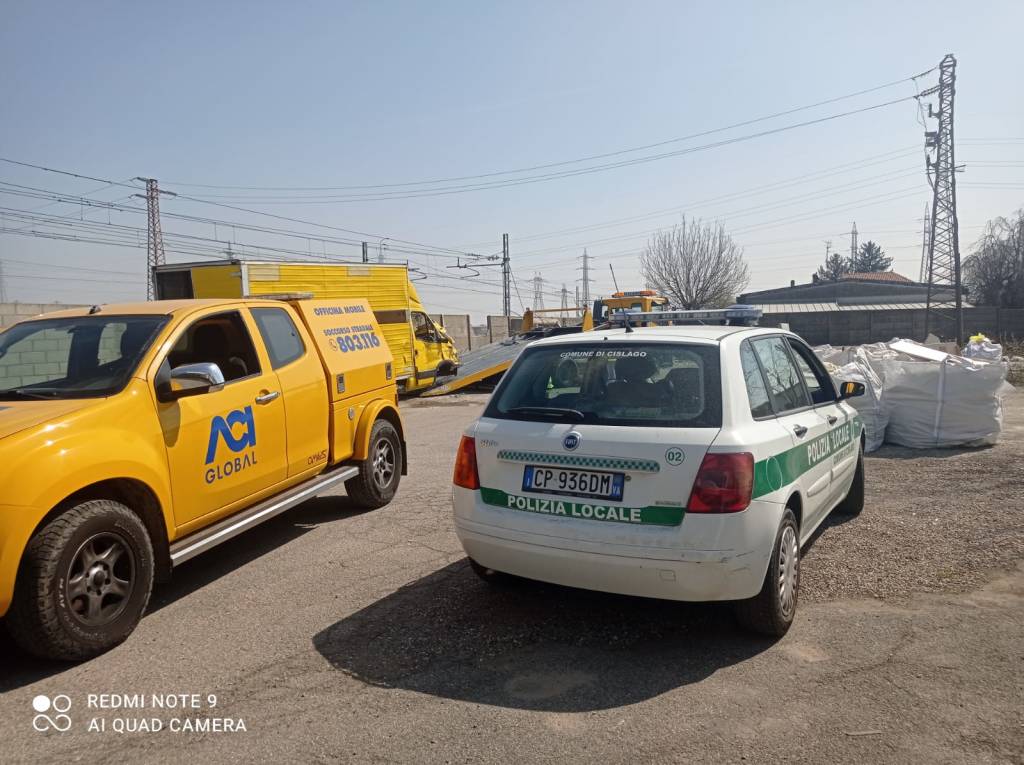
(625, 319)
(95, 309)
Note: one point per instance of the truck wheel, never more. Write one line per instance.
(771, 611)
(381, 471)
(84, 582)
(853, 502)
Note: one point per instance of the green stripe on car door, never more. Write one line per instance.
(784, 468)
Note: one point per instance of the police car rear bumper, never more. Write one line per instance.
(690, 575)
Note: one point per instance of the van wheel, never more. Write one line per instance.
(381, 471)
(771, 611)
(84, 582)
(853, 502)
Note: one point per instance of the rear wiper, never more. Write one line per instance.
(549, 411)
(43, 393)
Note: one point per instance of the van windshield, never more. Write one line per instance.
(634, 384)
(73, 357)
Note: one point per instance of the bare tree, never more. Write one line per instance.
(994, 273)
(696, 264)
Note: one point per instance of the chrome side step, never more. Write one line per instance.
(194, 544)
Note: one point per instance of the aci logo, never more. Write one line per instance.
(571, 440)
(58, 720)
(239, 421)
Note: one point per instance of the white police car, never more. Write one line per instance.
(677, 462)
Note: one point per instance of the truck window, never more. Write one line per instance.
(221, 339)
(423, 328)
(279, 335)
(73, 357)
(785, 387)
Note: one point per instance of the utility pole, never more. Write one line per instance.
(154, 235)
(586, 280)
(577, 296)
(925, 231)
(366, 252)
(853, 245)
(506, 279)
(565, 303)
(945, 300)
(3, 284)
(381, 248)
(614, 280)
(538, 291)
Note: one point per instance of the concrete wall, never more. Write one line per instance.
(498, 328)
(12, 313)
(855, 327)
(457, 325)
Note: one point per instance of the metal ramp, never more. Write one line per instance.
(487, 361)
(491, 360)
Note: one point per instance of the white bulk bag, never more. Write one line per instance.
(948, 402)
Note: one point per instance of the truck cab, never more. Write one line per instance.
(135, 437)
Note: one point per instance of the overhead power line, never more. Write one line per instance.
(446, 190)
(577, 160)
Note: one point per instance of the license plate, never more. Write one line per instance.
(576, 483)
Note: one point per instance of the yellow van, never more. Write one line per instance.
(422, 349)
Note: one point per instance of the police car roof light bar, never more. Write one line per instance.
(734, 315)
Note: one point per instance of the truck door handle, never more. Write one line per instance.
(800, 430)
(832, 419)
(266, 398)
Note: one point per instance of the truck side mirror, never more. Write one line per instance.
(190, 380)
(850, 389)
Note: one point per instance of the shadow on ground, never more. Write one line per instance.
(893, 452)
(18, 668)
(532, 645)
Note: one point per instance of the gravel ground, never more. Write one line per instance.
(934, 520)
(341, 635)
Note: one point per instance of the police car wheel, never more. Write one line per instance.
(771, 611)
(492, 577)
(853, 502)
(380, 472)
(84, 582)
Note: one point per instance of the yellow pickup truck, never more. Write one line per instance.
(135, 437)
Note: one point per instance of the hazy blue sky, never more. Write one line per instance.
(335, 94)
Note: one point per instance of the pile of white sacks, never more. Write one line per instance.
(921, 397)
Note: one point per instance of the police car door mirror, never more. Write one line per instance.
(850, 389)
(192, 380)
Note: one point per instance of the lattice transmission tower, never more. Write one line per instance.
(154, 235)
(538, 292)
(945, 297)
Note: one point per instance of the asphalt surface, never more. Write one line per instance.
(338, 635)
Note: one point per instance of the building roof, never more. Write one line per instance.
(819, 307)
(876, 276)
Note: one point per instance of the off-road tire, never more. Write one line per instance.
(43, 618)
(492, 577)
(853, 502)
(369, 489)
(765, 612)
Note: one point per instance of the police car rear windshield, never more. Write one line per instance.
(640, 385)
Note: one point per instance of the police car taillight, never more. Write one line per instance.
(466, 474)
(724, 484)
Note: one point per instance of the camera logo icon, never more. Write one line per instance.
(51, 714)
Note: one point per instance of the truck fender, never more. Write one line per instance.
(371, 414)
